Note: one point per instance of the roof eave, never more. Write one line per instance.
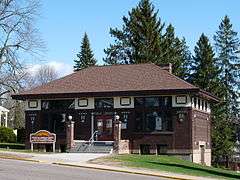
(102, 94)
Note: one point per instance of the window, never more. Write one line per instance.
(33, 104)
(83, 116)
(125, 101)
(203, 103)
(199, 104)
(58, 104)
(103, 103)
(139, 120)
(54, 122)
(206, 106)
(82, 102)
(144, 148)
(166, 101)
(195, 102)
(152, 102)
(162, 149)
(181, 99)
(153, 114)
(124, 118)
(139, 102)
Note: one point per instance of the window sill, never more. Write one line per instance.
(149, 133)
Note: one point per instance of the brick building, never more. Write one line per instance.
(159, 112)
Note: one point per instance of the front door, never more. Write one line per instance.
(104, 126)
(202, 154)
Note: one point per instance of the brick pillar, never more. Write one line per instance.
(117, 136)
(70, 134)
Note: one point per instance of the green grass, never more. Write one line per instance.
(172, 164)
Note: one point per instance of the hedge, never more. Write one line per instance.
(12, 146)
(7, 135)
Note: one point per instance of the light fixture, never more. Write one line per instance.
(70, 117)
(117, 117)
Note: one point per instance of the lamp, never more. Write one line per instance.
(70, 117)
(117, 117)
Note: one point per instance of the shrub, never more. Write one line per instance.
(7, 135)
(12, 146)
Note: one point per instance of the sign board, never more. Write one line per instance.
(43, 137)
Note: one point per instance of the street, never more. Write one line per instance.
(21, 170)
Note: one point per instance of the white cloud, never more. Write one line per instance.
(62, 68)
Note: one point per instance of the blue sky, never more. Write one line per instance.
(63, 23)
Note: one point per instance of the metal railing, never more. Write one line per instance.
(92, 139)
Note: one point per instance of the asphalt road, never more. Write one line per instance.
(20, 170)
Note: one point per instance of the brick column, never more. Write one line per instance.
(70, 134)
(117, 136)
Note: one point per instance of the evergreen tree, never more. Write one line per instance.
(174, 51)
(205, 75)
(85, 56)
(204, 69)
(228, 59)
(227, 45)
(139, 39)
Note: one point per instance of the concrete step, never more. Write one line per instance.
(94, 147)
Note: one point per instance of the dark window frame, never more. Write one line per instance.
(125, 98)
(81, 99)
(176, 99)
(31, 107)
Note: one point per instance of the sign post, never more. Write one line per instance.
(43, 137)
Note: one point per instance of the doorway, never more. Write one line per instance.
(104, 126)
(202, 149)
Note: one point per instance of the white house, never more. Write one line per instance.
(3, 116)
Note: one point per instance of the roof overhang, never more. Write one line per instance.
(104, 94)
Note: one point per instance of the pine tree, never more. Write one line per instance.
(204, 69)
(205, 75)
(139, 39)
(175, 51)
(228, 44)
(85, 56)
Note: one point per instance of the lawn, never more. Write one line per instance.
(171, 164)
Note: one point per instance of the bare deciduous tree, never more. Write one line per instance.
(18, 38)
(43, 75)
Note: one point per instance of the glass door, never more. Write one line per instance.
(104, 126)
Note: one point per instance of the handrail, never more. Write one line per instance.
(91, 140)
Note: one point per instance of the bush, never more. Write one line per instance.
(12, 146)
(7, 135)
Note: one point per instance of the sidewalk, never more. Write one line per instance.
(82, 161)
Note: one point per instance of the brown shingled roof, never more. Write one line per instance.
(115, 78)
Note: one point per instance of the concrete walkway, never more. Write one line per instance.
(73, 158)
(82, 160)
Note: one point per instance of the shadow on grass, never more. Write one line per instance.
(213, 172)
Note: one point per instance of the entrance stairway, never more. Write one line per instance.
(92, 147)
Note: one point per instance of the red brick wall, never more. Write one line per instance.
(201, 130)
(179, 139)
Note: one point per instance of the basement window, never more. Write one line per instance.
(162, 149)
(144, 149)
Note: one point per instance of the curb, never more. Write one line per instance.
(19, 158)
(122, 171)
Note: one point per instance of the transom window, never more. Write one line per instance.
(58, 104)
(162, 101)
(101, 103)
